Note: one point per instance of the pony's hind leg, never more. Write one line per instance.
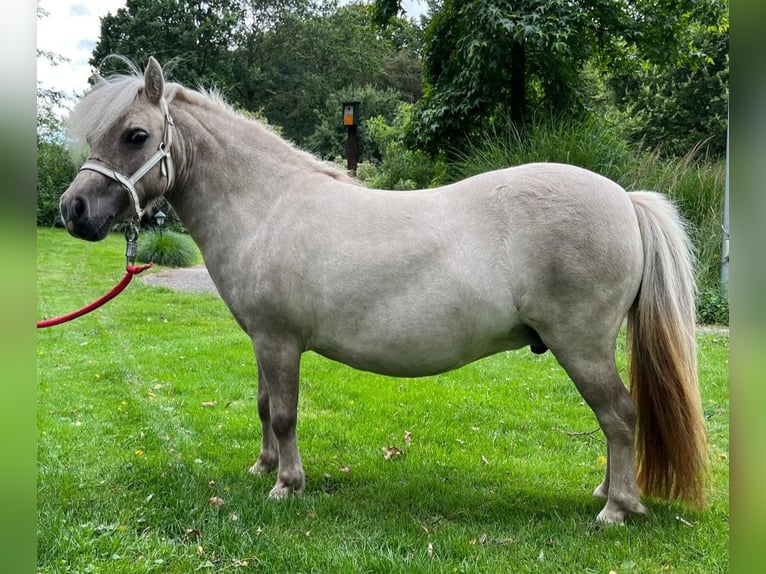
(601, 387)
(268, 459)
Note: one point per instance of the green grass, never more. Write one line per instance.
(147, 408)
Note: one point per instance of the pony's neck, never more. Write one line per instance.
(231, 170)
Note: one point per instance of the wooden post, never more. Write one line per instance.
(352, 149)
(351, 121)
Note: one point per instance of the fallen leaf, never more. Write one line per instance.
(391, 451)
(192, 534)
(430, 550)
(345, 469)
(483, 538)
(209, 404)
(407, 438)
(211, 484)
(602, 460)
(217, 502)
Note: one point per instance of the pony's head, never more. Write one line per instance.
(127, 126)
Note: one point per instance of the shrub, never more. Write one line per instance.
(168, 248)
(589, 142)
(401, 168)
(55, 171)
(695, 183)
(712, 308)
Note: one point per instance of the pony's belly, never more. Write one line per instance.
(419, 357)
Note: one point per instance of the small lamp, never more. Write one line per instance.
(159, 219)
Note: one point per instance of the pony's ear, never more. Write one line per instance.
(98, 80)
(154, 83)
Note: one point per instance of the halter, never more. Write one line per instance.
(161, 156)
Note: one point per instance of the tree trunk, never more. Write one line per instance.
(518, 84)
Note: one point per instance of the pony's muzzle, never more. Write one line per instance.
(80, 222)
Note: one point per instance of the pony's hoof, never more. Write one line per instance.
(260, 468)
(282, 491)
(612, 514)
(610, 517)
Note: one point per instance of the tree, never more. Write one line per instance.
(675, 108)
(484, 58)
(303, 61)
(55, 169)
(194, 35)
(280, 59)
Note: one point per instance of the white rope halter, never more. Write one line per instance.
(161, 156)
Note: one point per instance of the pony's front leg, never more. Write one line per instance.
(279, 368)
(268, 459)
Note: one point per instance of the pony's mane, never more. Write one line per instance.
(111, 98)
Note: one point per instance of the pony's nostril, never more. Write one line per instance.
(78, 208)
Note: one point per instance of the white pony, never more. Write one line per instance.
(414, 283)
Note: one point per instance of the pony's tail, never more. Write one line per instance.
(671, 442)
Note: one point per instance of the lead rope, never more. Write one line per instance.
(131, 238)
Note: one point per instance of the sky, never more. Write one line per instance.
(72, 28)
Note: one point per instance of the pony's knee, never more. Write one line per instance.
(283, 424)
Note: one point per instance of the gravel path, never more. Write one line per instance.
(182, 278)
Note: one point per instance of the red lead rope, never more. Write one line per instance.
(131, 238)
(131, 270)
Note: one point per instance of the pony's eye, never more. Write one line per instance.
(137, 137)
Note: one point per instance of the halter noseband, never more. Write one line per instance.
(161, 156)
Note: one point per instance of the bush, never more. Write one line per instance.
(589, 142)
(169, 248)
(401, 168)
(712, 308)
(55, 171)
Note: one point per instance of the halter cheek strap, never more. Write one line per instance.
(161, 156)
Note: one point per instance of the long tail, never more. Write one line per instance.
(671, 442)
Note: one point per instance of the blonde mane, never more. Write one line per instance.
(111, 98)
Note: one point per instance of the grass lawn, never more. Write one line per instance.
(147, 410)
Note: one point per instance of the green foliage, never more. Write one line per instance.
(675, 106)
(147, 408)
(713, 308)
(55, 168)
(194, 34)
(284, 60)
(330, 137)
(588, 141)
(696, 184)
(401, 168)
(168, 248)
(55, 171)
(486, 57)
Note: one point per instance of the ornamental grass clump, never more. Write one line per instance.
(168, 248)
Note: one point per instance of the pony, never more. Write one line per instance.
(408, 284)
